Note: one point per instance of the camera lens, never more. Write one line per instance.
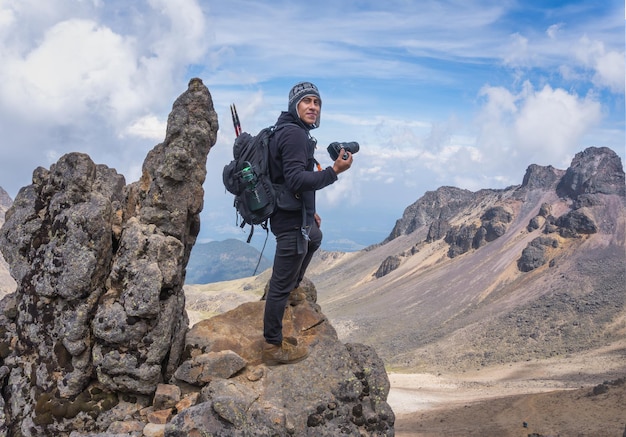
(335, 148)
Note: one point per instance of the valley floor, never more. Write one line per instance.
(551, 397)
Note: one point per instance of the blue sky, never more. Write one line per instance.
(460, 93)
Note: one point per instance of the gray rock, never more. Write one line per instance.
(576, 222)
(100, 267)
(535, 223)
(540, 177)
(387, 266)
(596, 170)
(437, 230)
(461, 239)
(202, 369)
(441, 204)
(536, 253)
(493, 224)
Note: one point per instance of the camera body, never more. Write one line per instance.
(335, 148)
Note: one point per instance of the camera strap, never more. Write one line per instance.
(303, 229)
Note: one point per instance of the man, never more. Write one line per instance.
(297, 229)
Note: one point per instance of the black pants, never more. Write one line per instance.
(293, 255)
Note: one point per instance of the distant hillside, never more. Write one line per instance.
(223, 261)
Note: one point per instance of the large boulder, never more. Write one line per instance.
(595, 170)
(339, 389)
(536, 253)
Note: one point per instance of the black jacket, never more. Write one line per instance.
(292, 163)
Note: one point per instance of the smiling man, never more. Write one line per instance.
(295, 224)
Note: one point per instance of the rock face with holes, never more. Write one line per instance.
(99, 306)
(95, 339)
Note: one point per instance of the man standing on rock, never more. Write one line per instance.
(295, 224)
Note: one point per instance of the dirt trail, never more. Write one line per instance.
(551, 398)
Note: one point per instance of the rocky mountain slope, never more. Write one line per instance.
(467, 279)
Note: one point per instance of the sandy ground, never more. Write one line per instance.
(549, 398)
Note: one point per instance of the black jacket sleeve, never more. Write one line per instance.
(298, 164)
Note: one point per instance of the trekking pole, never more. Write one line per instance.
(235, 116)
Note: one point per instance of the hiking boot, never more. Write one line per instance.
(285, 353)
(296, 297)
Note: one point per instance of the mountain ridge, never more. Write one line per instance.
(433, 310)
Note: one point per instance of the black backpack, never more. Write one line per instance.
(247, 176)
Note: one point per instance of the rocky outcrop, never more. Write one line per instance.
(595, 170)
(573, 224)
(576, 222)
(95, 340)
(536, 253)
(99, 307)
(338, 390)
(544, 214)
(5, 204)
(387, 266)
(541, 177)
(437, 230)
(441, 205)
(493, 224)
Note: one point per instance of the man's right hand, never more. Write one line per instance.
(341, 164)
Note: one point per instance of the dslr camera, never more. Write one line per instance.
(335, 148)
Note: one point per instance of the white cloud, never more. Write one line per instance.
(552, 122)
(517, 52)
(149, 127)
(74, 71)
(80, 67)
(608, 66)
(532, 126)
(7, 18)
(610, 71)
(343, 192)
(553, 30)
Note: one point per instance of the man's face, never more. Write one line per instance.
(309, 109)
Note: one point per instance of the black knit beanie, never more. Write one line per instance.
(297, 93)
